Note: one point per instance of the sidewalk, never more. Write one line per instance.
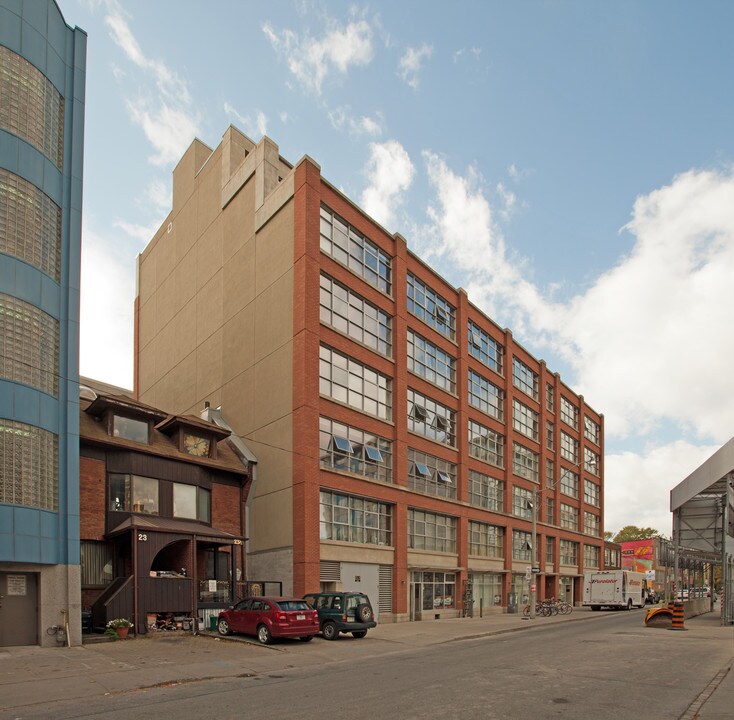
(30, 675)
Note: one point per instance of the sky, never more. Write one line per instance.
(569, 163)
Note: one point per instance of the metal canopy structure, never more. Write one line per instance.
(703, 518)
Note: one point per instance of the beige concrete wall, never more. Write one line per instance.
(216, 320)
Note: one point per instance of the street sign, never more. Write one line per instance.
(536, 570)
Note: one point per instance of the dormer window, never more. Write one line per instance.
(129, 429)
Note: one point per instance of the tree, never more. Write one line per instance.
(632, 532)
(609, 535)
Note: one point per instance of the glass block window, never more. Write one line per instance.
(591, 493)
(485, 348)
(550, 401)
(591, 556)
(569, 552)
(569, 517)
(486, 396)
(592, 430)
(550, 551)
(523, 378)
(431, 475)
(30, 106)
(29, 345)
(351, 314)
(430, 362)
(29, 466)
(521, 545)
(430, 531)
(486, 445)
(349, 247)
(591, 462)
(431, 419)
(349, 381)
(30, 224)
(522, 502)
(525, 462)
(569, 483)
(569, 448)
(591, 524)
(569, 413)
(486, 540)
(549, 436)
(486, 492)
(430, 307)
(352, 519)
(524, 420)
(348, 449)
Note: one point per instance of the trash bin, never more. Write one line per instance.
(213, 620)
(86, 621)
(511, 602)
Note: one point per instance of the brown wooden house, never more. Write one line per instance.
(162, 513)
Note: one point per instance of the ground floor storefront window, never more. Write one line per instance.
(521, 588)
(486, 590)
(431, 592)
(566, 588)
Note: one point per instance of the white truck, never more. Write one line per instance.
(614, 589)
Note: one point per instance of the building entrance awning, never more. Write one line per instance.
(145, 523)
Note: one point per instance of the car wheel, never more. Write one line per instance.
(223, 627)
(596, 607)
(359, 633)
(363, 612)
(329, 631)
(264, 635)
(306, 638)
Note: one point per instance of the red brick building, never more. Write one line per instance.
(162, 518)
(401, 434)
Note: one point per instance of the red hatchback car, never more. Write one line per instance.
(270, 617)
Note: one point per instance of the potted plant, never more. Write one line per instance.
(119, 627)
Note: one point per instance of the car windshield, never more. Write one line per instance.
(293, 605)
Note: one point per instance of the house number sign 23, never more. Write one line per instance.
(142, 537)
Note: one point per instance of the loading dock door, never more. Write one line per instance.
(18, 609)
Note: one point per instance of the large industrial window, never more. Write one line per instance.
(431, 475)
(486, 396)
(485, 348)
(349, 247)
(429, 306)
(525, 420)
(430, 418)
(569, 413)
(348, 381)
(432, 363)
(486, 444)
(569, 483)
(591, 493)
(429, 531)
(524, 378)
(522, 502)
(569, 448)
(348, 449)
(569, 517)
(525, 462)
(348, 518)
(351, 314)
(521, 545)
(486, 492)
(486, 540)
(569, 552)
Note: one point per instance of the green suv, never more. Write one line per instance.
(342, 612)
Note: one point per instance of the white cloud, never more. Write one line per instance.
(411, 64)
(106, 316)
(143, 233)
(255, 127)
(341, 119)
(311, 60)
(390, 173)
(648, 478)
(165, 113)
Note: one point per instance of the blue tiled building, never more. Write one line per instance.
(42, 81)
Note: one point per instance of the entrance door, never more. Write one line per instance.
(18, 609)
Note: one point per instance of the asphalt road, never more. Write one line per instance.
(592, 670)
